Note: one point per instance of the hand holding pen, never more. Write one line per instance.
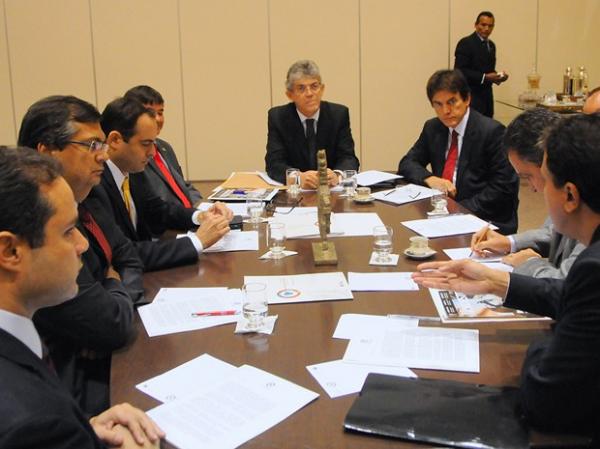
(487, 241)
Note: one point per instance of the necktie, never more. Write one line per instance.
(311, 142)
(127, 197)
(450, 164)
(92, 226)
(487, 44)
(170, 180)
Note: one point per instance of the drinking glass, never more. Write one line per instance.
(292, 181)
(276, 239)
(382, 243)
(255, 210)
(254, 304)
(439, 201)
(349, 182)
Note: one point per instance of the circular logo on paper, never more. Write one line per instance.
(288, 293)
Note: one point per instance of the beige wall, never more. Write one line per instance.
(221, 65)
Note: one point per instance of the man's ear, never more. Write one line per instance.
(289, 94)
(45, 149)
(11, 251)
(572, 197)
(114, 139)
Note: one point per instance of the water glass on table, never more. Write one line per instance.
(382, 243)
(292, 181)
(255, 210)
(276, 239)
(439, 201)
(349, 182)
(255, 306)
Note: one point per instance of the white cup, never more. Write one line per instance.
(349, 182)
(276, 239)
(292, 181)
(382, 243)
(255, 210)
(363, 193)
(255, 306)
(419, 245)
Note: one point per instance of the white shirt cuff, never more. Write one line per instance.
(513, 244)
(195, 241)
(196, 217)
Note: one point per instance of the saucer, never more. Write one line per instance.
(426, 255)
(364, 200)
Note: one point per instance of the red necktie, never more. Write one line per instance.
(450, 164)
(170, 180)
(92, 226)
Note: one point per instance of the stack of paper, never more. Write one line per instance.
(405, 194)
(445, 226)
(381, 282)
(235, 241)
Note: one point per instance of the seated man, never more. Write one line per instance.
(163, 172)
(130, 131)
(560, 381)
(527, 248)
(82, 333)
(298, 129)
(464, 150)
(40, 256)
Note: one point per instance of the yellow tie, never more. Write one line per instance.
(127, 195)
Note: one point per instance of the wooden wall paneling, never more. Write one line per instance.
(7, 124)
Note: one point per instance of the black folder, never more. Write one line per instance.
(439, 412)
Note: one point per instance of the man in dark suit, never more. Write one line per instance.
(163, 172)
(464, 150)
(131, 131)
(307, 124)
(40, 256)
(82, 333)
(475, 56)
(560, 382)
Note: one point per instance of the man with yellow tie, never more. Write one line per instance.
(131, 130)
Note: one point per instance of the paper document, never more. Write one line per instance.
(370, 177)
(445, 226)
(404, 194)
(352, 325)
(304, 287)
(422, 347)
(339, 378)
(466, 253)
(235, 241)
(226, 414)
(303, 223)
(381, 282)
(179, 382)
(184, 294)
(236, 208)
(189, 312)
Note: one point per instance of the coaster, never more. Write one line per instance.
(262, 220)
(267, 327)
(269, 255)
(392, 262)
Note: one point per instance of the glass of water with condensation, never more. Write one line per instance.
(254, 306)
(382, 243)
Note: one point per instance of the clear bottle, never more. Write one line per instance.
(583, 81)
(568, 82)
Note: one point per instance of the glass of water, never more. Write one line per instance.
(292, 181)
(276, 239)
(254, 304)
(349, 182)
(382, 243)
(255, 210)
(439, 201)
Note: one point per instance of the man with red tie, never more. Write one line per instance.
(463, 149)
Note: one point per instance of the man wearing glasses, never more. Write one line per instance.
(307, 124)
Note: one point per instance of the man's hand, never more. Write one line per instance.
(464, 276)
(332, 178)
(222, 209)
(309, 179)
(141, 427)
(485, 240)
(213, 227)
(520, 257)
(112, 273)
(442, 185)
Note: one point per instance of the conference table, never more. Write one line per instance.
(303, 332)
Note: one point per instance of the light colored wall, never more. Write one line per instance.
(221, 65)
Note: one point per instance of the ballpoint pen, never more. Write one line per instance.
(215, 313)
(480, 239)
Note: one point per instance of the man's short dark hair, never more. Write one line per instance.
(573, 155)
(484, 14)
(525, 131)
(51, 121)
(145, 95)
(25, 211)
(122, 115)
(450, 80)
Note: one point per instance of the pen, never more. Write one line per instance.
(238, 192)
(480, 239)
(215, 313)
(416, 317)
(390, 192)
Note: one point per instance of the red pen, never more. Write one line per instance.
(215, 313)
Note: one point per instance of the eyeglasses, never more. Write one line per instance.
(95, 146)
(302, 88)
(291, 205)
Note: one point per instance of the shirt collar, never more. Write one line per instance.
(462, 126)
(304, 117)
(116, 172)
(21, 328)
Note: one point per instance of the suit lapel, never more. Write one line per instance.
(178, 180)
(295, 129)
(115, 194)
(471, 136)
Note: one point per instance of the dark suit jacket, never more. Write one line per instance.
(473, 59)
(158, 182)
(36, 410)
(99, 319)
(486, 183)
(154, 216)
(560, 380)
(287, 145)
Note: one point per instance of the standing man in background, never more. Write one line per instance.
(475, 56)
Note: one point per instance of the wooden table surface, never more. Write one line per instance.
(302, 335)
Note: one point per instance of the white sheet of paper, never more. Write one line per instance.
(465, 253)
(381, 282)
(354, 224)
(227, 414)
(236, 208)
(302, 222)
(268, 179)
(304, 287)
(370, 177)
(339, 378)
(178, 382)
(168, 294)
(168, 317)
(445, 226)
(235, 241)
(421, 347)
(352, 325)
(404, 194)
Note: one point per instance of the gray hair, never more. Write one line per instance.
(304, 68)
